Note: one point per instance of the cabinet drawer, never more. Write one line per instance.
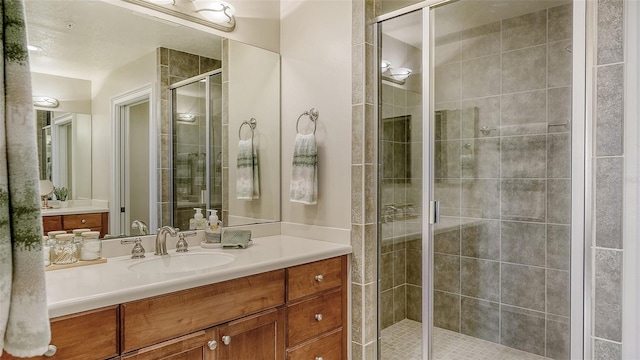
(313, 317)
(79, 221)
(51, 223)
(327, 347)
(182, 347)
(91, 335)
(308, 279)
(149, 321)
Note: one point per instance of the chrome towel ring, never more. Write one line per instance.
(252, 124)
(313, 115)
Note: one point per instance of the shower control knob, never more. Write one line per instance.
(319, 278)
(318, 317)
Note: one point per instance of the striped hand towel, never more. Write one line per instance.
(304, 177)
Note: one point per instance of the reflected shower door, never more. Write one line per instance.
(197, 147)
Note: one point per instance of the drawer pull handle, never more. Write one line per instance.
(319, 278)
(226, 339)
(51, 351)
(318, 317)
(212, 344)
(83, 221)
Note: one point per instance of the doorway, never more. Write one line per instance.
(134, 168)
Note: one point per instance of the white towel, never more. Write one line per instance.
(304, 176)
(247, 177)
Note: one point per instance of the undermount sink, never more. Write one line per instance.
(178, 263)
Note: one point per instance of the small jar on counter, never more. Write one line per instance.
(65, 250)
(52, 242)
(77, 238)
(91, 246)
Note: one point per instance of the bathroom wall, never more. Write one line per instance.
(315, 54)
(74, 95)
(133, 75)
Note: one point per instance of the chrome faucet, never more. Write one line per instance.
(161, 239)
(141, 226)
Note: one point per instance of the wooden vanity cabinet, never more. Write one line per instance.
(90, 335)
(317, 310)
(93, 221)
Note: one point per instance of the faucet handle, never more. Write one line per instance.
(137, 252)
(182, 245)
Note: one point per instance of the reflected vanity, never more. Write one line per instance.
(192, 114)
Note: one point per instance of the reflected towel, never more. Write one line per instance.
(247, 177)
(304, 176)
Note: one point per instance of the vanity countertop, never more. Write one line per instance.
(74, 210)
(90, 287)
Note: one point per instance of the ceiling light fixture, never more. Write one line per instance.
(215, 11)
(45, 101)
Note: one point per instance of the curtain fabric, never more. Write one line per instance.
(24, 320)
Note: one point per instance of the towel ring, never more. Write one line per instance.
(313, 116)
(252, 124)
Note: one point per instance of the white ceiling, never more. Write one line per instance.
(460, 15)
(102, 37)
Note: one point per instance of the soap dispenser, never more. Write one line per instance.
(212, 233)
(198, 222)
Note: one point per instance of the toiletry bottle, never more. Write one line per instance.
(198, 222)
(212, 233)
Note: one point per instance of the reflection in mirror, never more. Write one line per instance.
(102, 51)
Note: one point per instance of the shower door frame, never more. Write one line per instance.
(172, 88)
(581, 167)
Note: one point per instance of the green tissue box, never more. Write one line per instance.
(236, 238)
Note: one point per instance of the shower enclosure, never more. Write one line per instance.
(477, 123)
(196, 106)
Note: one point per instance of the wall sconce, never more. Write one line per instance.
(215, 14)
(394, 75)
(45, 102)
(186, 117)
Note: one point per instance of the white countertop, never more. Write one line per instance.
(74, 210)
(90, 287)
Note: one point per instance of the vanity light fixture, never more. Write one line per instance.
(384, 65)
(216, 11)
(399, 74)
(45, 101)
(216, 14)
(186, 117)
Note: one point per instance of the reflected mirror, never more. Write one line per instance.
(94, 56)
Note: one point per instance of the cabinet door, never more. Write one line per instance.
(188, 347)
(256, 337)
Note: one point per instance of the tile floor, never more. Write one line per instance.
(401, 341)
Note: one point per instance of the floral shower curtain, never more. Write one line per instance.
(24, 320)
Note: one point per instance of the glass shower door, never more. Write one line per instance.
(490, 279)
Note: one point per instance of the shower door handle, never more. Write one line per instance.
(434, 212)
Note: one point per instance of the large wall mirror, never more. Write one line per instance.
(97, 58)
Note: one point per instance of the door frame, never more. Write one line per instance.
(118, 117)
(581, 168)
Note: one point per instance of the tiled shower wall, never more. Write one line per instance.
(608, 21)
(173, 66)
(400, 198)
(502, 254)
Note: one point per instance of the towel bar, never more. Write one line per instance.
(313, 116)
(252, 124)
